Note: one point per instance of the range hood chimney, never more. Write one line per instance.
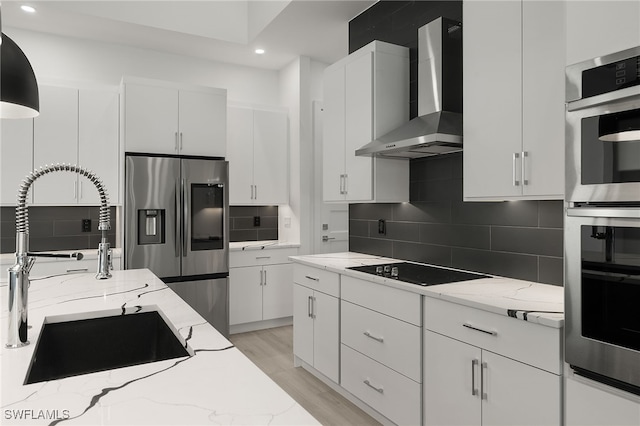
(438, 127)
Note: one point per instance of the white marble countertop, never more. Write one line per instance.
(525, 300)
(260, 245)
(216, 385)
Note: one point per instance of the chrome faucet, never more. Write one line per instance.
(19, 272)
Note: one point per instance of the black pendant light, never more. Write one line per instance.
(620, 127)
(18, 86)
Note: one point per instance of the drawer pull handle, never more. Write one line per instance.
(312, 278)
(368, 383)
(263, 257)
(474, 390)
(491, 332)
(78, 270)
(377, 339)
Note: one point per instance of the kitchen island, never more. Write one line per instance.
(215, 385)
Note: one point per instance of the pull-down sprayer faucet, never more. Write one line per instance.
(19, 272)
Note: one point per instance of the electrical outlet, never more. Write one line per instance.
(382, 226)
(86, 225)
(256, 221)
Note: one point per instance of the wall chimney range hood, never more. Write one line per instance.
(438, 127)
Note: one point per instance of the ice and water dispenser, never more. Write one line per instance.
(151, 226)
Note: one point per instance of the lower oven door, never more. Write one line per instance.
(602, 294)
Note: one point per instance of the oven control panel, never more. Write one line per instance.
(611, 77)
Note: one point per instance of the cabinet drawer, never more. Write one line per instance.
(389, 341)
(533, 344)
(317, 279)
(390, 301)
(386, 391)
(260, 257)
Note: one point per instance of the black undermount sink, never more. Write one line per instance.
(101, 342)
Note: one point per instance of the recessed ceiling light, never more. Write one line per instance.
(27, 8)
(260, 51)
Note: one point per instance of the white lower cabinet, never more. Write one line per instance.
(316, 324)
(258, 293)
(471, 376)
(589, 403)
(381, 348)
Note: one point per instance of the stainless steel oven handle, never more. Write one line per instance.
(621, 212)
(605, 98)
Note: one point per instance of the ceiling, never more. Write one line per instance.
(219, 30)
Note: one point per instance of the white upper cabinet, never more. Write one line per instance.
(16, 158)
(598, 28)
(366, 95)
(76, 126)
(258, 155)
(166, 118)
(513, 100)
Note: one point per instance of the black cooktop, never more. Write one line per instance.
(418, 274)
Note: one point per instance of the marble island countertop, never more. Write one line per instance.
(524, 300)
(216, 385)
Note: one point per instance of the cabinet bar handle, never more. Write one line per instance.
(482, 389)
(263, 257)
(312, 278)
(309, 307)
(368, 383)
(313, 307)
(78, 270)
(80, 190)
(525, 181)
(181, 144)
(516, 156)
(176, 142)
(474, 363)
(261, 279)
(341, 184)
(491, 332)
(346, 184)
(256, 192)
(75, 190)
(377, 339)
(265, 277)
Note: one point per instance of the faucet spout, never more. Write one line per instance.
(19, 272)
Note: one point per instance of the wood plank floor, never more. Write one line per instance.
(272, 351)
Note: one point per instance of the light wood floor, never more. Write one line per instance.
(272, 351)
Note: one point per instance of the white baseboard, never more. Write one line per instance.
(259, 325)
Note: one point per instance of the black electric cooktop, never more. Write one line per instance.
(413, 273)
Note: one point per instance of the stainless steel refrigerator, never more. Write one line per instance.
(176, 224)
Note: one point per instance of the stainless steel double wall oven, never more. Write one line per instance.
(602, 224)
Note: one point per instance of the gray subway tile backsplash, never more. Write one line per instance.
(522, 239)
(242, 227)
(56, 228)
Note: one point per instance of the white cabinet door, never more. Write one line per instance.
(333, 139)
(492, 98)
(240, 155)
(270, 157)
(277, 291)
(245, 295)
(326, 345)
(98, 146)
(16, 158)
(303, 323)
(151, 119)
(359, 127)
(55, 140)
(203, 123)
(517, 394)
(543, 110)
(451, 382)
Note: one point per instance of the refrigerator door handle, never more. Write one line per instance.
(177, 203)
(185, 214)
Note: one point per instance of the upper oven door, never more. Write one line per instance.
(600, 170)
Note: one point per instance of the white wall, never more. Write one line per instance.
(57, 58)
